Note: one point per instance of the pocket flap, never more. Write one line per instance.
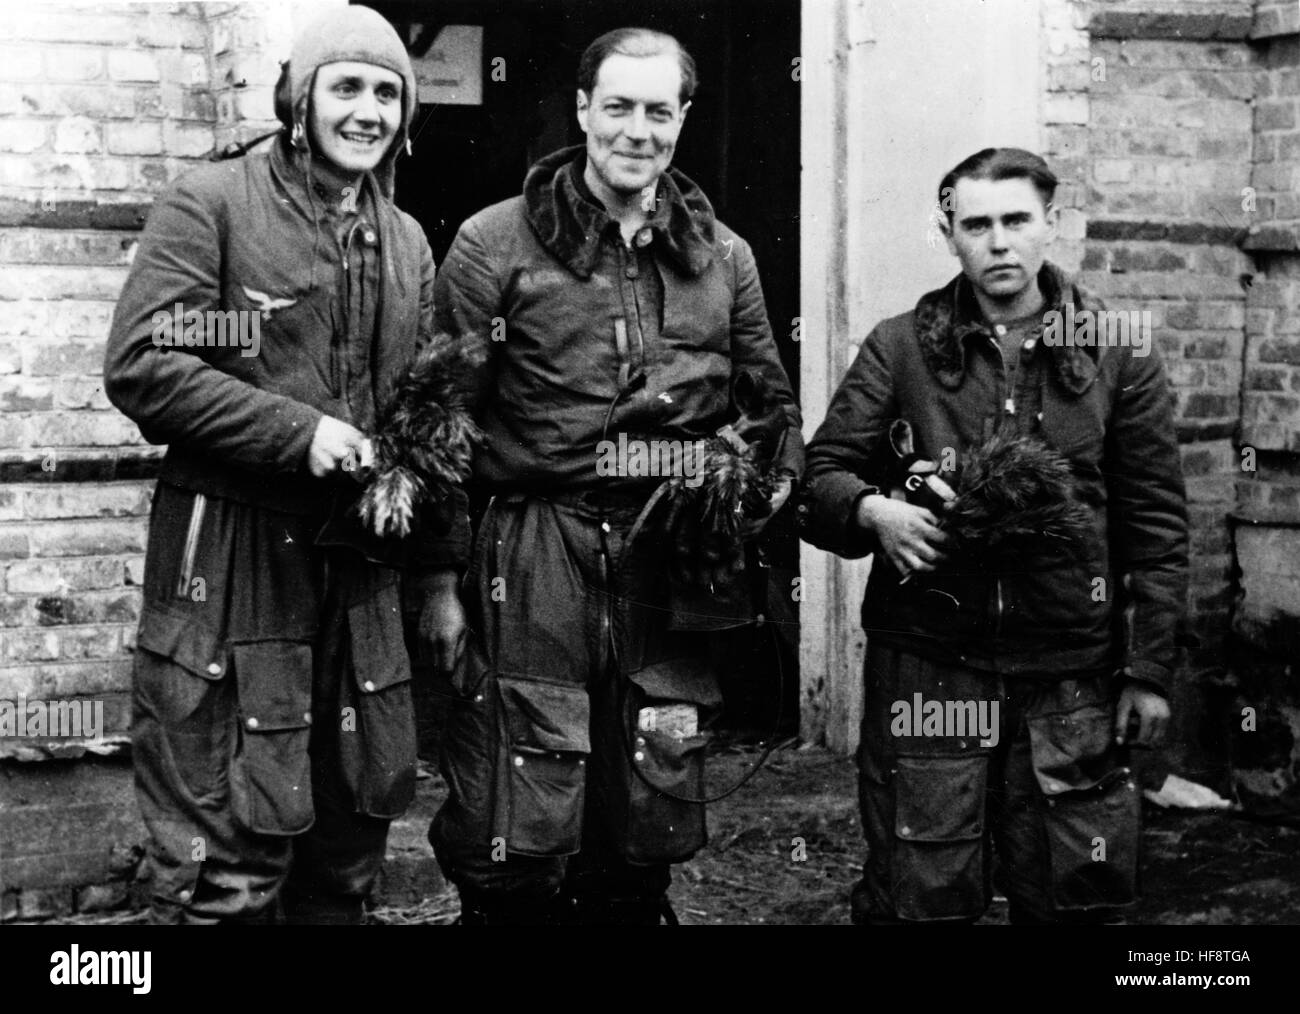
(680, 679)
(1071, 751)
(274, 679)
(546, 716)
(379, 658)
(940, 798)
(183, 640)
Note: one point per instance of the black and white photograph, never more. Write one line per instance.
(616, 463)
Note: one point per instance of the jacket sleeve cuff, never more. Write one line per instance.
(433, 552)
(300, 424)
(429, 579)
(436, 558)
(829, 518)
(1156, 676)
(790, 457)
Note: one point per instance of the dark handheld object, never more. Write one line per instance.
(1016, 498)
(914, 477)
(703, 522)
(1011, 494)
(425, 438)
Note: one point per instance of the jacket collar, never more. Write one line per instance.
(293, 180)
(570, 223)
(946, 318)
(303, 183)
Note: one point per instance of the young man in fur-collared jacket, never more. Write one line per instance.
(273, 732)
(615, 311)
(1055, 636)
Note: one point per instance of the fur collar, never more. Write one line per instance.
(569, 222)
(947, 317)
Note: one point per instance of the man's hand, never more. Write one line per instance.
(714, 563)
(751, 528)
(1152, 712)
(442, 627)
(333, 443)
(909, 535)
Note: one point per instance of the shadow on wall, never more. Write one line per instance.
(1264, 721)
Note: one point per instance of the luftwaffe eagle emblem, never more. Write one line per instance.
(267, 304)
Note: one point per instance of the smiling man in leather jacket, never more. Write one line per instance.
(613, 306)
(273, 731)
(1071, 644)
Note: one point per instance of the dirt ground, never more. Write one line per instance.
(1198, 867)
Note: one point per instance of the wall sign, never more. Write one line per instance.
(450, 70)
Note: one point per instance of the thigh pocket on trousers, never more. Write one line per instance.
(379, 759)
(182, 710)
(545, 749)
(1091, 810)
(938, 867)
(665, 820)
(270, 776)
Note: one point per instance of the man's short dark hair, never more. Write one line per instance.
(635, 42)
(1000, 164)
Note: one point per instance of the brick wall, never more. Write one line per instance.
(71, 839)
(1170, 141)
(101, 109)
(1271, 401)
(1266, 614)
(247, 42)
(1067, 60)
(1193, 171)
(1158, 115)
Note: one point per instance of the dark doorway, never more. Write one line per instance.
(740, 144)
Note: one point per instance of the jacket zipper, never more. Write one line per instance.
(608, 655)
(1007, 396)
(341, 343)
(628, 273)
(191, 546)
(620, 346)
(336, 380)
(635, 266)
(346, 245)
(1008, 411)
